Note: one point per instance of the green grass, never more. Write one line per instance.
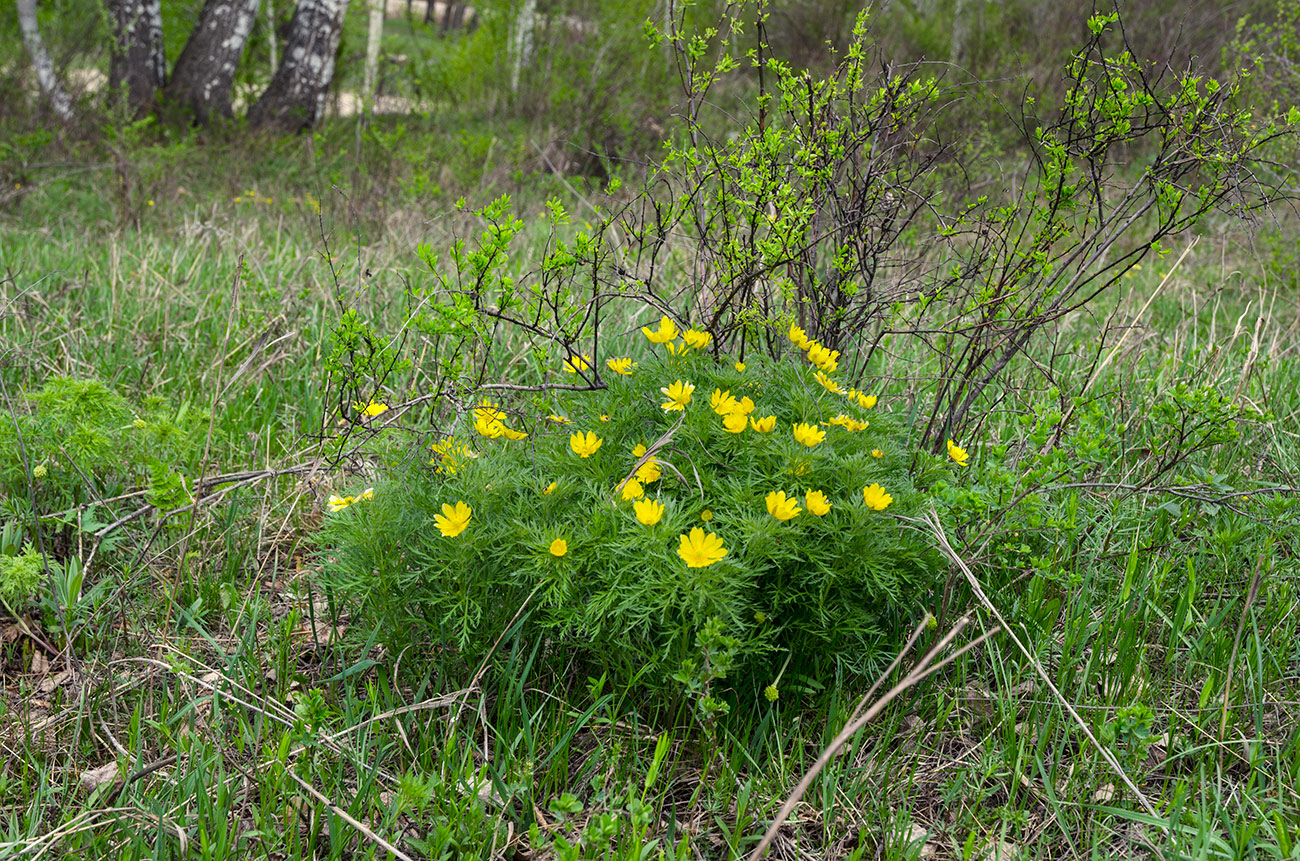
(248, 714)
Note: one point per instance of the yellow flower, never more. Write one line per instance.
(817, 503)
(624, 366)
(649, 472)
(666, 332)
(740, 367)
(648, 511)
(706, 515)
(490, 428)
(452, 456)
(808, 434)
(798, 337)
(604, 417)
(368, 493)
(489, 411)
(735, 422)
(875, 452)
(875, 497)
(823, 358)
(338, 503)
(863, 399)
(490, 423)
(371, 409)
(559, 547)
(559, 420)
(453, 520)
(782, 507)
(767, 424)
(678, 395)
(699, 550)
(639, 449)
(722, 402)
(957, 453)
(632, 489)
(746, 405)
(771, 693)
(849, 423)
(577, 363)
(696, 340)
(828, 384)
(585, 446)
(549, 489)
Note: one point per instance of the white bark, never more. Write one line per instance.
(136, 64)
(205, 70)
(270, 29)
(295, 98)
(960, 30)
(521, 45)
(373, 39)
(45, 77)
(153, 14)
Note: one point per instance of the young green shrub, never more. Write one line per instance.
(20, 574)
(759, 509)
(73, 430)
(82, 441)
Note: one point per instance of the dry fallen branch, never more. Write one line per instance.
(937, 526)
(859, 719)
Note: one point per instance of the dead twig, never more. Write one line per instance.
(925, 668)
(937, 526)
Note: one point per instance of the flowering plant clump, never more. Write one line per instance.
(684, 520)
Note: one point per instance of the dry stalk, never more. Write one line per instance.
(924, 668)
(937, 526)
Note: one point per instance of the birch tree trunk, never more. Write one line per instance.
(521, 43)
(45, 77)
(961, 27)
(137, 57)
(205, 70)
(373, 39)
(295, 98)
(270, 28)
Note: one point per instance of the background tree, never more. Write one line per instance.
(137, 70)
(295, 99)
(201, 80)
(44, 67)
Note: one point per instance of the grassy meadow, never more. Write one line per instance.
(184, 682)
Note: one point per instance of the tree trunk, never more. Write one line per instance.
(295, 99)
(202, 76)
(375, 36)
(521, 43)
(45, 77)
(270, 29)
(137, 61)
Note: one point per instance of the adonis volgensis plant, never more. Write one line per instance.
(768, 499)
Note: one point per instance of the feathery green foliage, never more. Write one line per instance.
(827, 592)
